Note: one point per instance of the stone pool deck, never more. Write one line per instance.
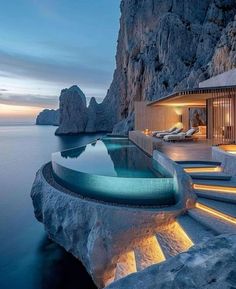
(177, 151)
(183, 151)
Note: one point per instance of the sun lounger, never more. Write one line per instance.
(181, 136)
(176, 131)
(155, 132)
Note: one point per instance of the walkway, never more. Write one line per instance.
(181, 151)
(214, 212)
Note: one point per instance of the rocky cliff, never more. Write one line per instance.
(73, 111)
(76, 117)
(209, 265)
(165, 46)
(48, 117)
(169, 45)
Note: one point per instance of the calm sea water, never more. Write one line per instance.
(28, 260)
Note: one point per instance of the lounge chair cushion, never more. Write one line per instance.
(155, 132)
(179, 136)
(190, 132)
(176, 131)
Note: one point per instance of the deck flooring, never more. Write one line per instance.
(181, 151)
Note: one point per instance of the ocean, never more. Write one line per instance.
(28, 259)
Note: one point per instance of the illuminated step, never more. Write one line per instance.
(148, 252)
(173, 239)
(225, 208)
(203, 169)
(200, 166)
(212, 220)
(226, 197)
(126, 265)
(211, 176)
(215, 188)
(196, 231)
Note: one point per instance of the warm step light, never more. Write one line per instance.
(148, 252)
(216, 213)
(203, 170)
(126, 265)
(174, 237)
(209, 188)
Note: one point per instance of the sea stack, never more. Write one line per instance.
(48, 117)
(73, 111)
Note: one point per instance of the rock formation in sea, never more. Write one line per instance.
(73, 111)
(76, 117)
(101, 117)
(163, 46)
(48, 117)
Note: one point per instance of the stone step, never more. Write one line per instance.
(217, 195)
(211, 176)
(212, 221)
(215, 184)
(173, 240)
(225, 208)
(126, 265)
(198, 164)
(148, 252)
(196, 231)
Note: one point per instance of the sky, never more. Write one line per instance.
(47, 45)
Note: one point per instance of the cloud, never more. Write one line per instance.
(62, 73)
(29, 100)
(3, 89)
(38, 100)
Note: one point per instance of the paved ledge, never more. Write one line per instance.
(146, 142)
(228, 160)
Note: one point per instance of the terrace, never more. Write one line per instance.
(144, 209)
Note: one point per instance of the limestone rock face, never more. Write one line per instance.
(100, 233)
(96, 233)
(48, 117)
(76, 118)
(210, 265)
(224, 58)
(73, 111)
(165, 46)
(101, 117)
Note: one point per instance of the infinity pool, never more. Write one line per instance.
(114, 170)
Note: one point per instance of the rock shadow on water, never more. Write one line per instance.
(60, 270)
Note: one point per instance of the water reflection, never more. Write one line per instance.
(117, 157)
(74, 153)
(60, 270)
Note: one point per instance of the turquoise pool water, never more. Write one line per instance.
(114, 170)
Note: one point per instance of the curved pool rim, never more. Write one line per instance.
(113, 189)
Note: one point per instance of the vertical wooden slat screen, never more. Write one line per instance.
(221, 110)
(210, 119)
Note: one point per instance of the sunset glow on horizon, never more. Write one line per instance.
(37, 62)
(18, 113)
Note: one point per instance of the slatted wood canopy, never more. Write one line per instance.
(221, 109)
